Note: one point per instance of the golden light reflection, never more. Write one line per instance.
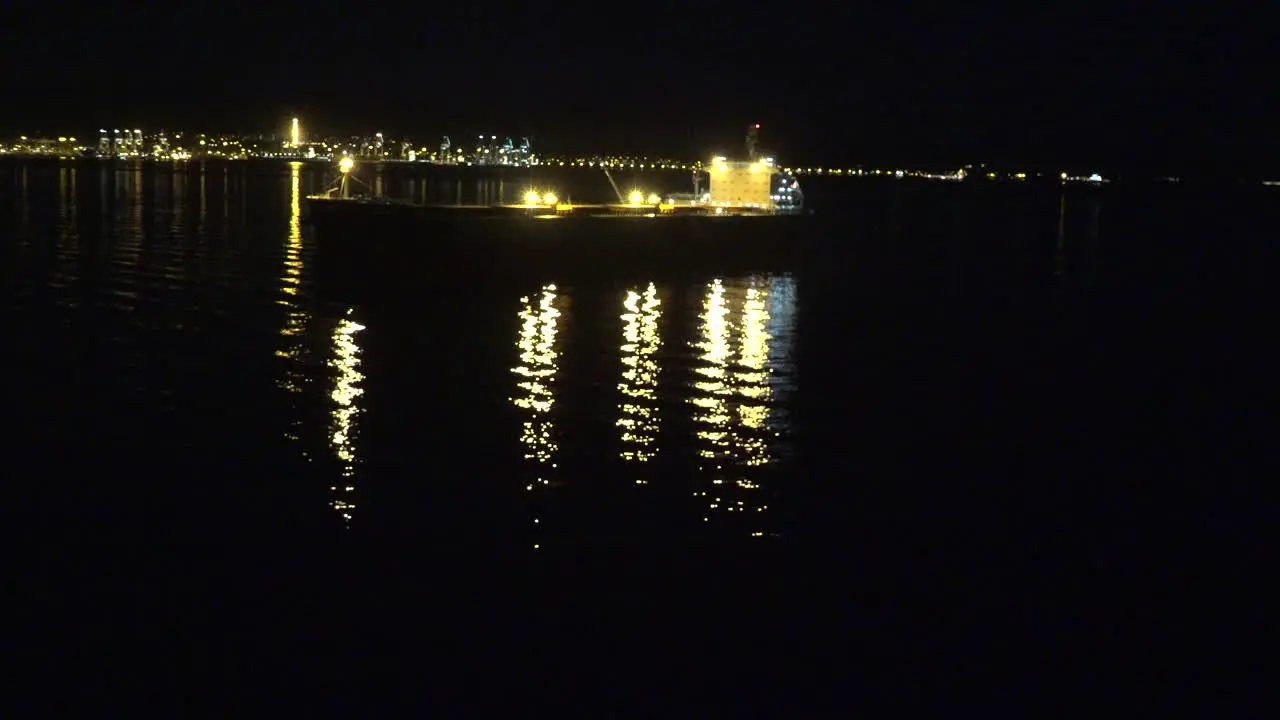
(752, 374)
(732, 400)
(346, 408)
(536, 373)
(637, 409)
(292, 276)
(296, 317)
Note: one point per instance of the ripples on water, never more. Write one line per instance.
(988, 381)
(172, 327)
(179, 304)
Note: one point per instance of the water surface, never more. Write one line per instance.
(959, 400)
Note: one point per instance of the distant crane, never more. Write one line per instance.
(621, 200)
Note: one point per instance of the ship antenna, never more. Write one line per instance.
(753, 133)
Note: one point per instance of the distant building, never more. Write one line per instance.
(60, 146)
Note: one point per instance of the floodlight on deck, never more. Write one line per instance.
(550, 199)
(637, 197)
(531, 197)
(654, 199)
(346, 164)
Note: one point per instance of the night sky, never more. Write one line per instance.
(1114, 84)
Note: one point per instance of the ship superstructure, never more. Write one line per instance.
(756, 183)
(741, 184)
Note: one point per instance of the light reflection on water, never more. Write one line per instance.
(292, 348)
(296, 317)
(292, 277)
(536, 379)
(344, 360)
(741, 364)
(638, 420)
(732, 403)
(230, 314)
(346, 410)
(191, 361)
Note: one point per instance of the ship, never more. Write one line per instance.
(753, 187)
(746, 221)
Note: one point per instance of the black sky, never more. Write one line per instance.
(1155, 84)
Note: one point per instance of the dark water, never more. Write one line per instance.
(976, 440)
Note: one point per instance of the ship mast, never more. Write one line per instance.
(753, 136)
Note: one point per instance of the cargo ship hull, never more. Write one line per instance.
(377, 246)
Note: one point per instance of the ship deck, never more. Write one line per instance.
(371, 249)
(364, 206)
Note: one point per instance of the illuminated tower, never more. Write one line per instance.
(377, 144)
(136, 145)
(104, 144)
(117, 143)
(295, 133)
